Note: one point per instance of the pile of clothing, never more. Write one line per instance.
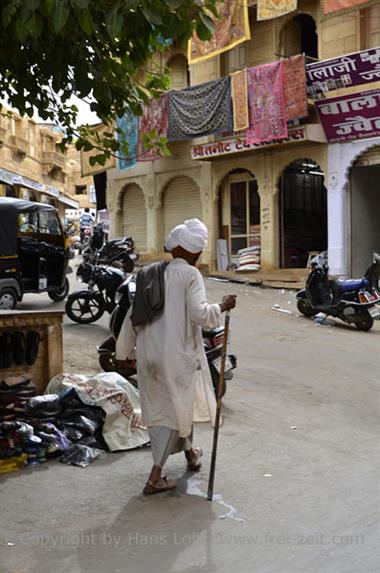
(77, 421)
(15, 394)
(35, 428)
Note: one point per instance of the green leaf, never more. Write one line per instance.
(60, 14)
(173, 4)
(85, 21)
(9, 11)
(35, 25)
(115, 21)
(208, 22)
(152, 17)
(81, 4)
(93, 160)
(203, 33)
(32, 4)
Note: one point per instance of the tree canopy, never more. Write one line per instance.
(51, 50)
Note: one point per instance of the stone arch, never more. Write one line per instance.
(180, 200)
(227, 171)
(354, 156)
(298, 35)
(287, 163)
(131, 207)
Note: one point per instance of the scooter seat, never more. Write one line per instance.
(352, 284)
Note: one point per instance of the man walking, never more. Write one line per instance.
(170, 356)
(85, 220)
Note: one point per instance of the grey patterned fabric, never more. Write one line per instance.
(200, 110)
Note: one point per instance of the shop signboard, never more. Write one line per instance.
(53, 191)
(67, 201)
(238, 144)
(346, 71)
(350, 117)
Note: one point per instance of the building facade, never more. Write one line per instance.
(32, 166)
(298, 195)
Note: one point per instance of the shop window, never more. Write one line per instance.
(178, 72)
(27, 223)
(80, 190)
(299, 36)
(48, 223)
(244, 214)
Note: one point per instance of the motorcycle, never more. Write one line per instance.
(212, 340)
(88, 305)
(354, 301)
(85, 236)
(118, 253)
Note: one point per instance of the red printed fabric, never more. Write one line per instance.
(295, 87)
(266, 96)
(155, 116)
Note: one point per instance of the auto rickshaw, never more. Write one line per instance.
(34, 252)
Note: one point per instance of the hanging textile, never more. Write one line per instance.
(266, 97)
(155, 116)
(268, 9)
(239, 92)
(129, 124)
(330, 7)
(200, 110)
(231, 29)
(295, 87)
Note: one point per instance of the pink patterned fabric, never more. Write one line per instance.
(155, 116)
(266, 96)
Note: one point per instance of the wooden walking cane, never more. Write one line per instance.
(219, 393)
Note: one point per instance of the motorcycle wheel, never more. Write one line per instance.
(108, 364)
(305, 308)
(215, 381)
(83, 309)
(364, 321)
(60, 294)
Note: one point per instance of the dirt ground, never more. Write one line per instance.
(297, 478)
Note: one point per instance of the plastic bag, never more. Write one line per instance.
(80, 455)
(46, 406)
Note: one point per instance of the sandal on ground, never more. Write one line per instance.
(195, 465)
(162, 485)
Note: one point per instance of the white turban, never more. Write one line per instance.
(191, 236)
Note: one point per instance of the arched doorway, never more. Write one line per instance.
(240, 212)
(134, 215)
(181, 200)
(364, 212)
(299, 36)
(303, 213)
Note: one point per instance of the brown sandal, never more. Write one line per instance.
(196, 465)
(151, 489)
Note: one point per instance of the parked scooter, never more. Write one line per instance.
(212, 340)
(88, 305)
(354, 301)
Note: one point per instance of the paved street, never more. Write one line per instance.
(296, 481)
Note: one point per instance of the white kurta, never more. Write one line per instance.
(171, 362)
